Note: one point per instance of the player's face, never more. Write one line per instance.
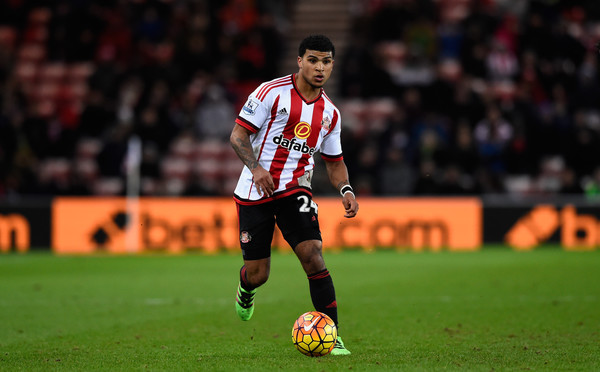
(315, 67)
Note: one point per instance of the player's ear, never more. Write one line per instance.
(299, 62)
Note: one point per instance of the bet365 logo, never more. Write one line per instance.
(116, 224)
(578, 231)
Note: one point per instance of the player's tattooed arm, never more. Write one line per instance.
(240, 141)
(243, 149)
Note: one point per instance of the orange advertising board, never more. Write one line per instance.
(14, 226)
(115, 225)
(412, 224)
(577, 231)
(87, 225)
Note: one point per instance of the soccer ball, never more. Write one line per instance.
(314, 334)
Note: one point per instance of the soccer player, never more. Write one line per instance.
(282, 125)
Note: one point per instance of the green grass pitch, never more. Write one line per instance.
(491, 310)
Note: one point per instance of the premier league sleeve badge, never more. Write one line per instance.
(250, 107)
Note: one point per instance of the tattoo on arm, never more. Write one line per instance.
(342, 184)
(244, 150)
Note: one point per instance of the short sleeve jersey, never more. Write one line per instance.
(287, 130)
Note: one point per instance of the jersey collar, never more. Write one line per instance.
(300, 94)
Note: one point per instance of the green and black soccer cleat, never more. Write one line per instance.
(244, 303)
(339, 348)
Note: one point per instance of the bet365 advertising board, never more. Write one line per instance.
(70, 225)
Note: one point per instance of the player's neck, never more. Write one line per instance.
(306, 90)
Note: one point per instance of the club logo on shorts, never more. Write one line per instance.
(250, 107)
(302, 130)
(245, 237)
(326, 123)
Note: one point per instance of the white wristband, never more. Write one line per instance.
(345, 189)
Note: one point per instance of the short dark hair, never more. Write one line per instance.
(320, 43)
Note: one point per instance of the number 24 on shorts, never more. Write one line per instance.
(307, 204)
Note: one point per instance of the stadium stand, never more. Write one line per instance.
(438, 97)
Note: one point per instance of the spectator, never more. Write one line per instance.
(110, 159)
(569, 184)
(451, 183)
(463, 153)
(426, 182)
(396, 175)
(214, 113)
(492, 135)
(591, 184)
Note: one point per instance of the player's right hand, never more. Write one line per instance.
(263, 181)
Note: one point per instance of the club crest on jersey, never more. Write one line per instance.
(326, 123)
(250, 107)
(291, 144)
(302, 130)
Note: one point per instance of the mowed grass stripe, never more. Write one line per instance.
(494, 309)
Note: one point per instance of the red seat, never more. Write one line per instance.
(52, 72)
(8, 37)
(40, 16)
(80, 72)
(108, 186)
(32, 52)
(26, 72)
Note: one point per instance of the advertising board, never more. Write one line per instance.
(87, 225)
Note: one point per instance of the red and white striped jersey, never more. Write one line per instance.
(287, 130)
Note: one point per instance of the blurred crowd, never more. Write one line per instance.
(438, 97)
(474, 97)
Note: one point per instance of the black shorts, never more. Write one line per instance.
(295, 215)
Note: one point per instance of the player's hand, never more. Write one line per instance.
(350, 205)
(263, 181)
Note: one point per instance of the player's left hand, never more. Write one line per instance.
(350, 205)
